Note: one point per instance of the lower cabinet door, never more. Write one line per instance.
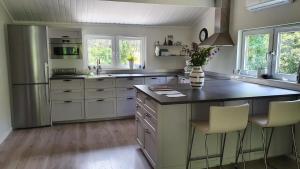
(126, 106)
(67, 110)
(100, 108)
(150, 145)
(139, 131)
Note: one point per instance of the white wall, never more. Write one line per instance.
(152, 34)
(241, 19)
(5, 114)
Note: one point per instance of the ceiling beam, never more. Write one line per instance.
(195, 3)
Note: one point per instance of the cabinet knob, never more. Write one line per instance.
(100, 100)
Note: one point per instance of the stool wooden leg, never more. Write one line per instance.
(206, 151)
(295, 145)
(223, 142)
(190, 148)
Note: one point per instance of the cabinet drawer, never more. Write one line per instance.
(150, 144)
(150, 120)
(129, 82)
(67, 110)
(100, 108)
(126, 92)
(126, 106)
(172, 80)
(66, 95)
(140, 97)
(100, 93)
(155, 80)
(151, 106)
(67, 84)
(139, 131)
(99, 83)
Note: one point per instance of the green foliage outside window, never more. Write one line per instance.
(129, 48)
(289, 52)
(100, 49)
(257, 47)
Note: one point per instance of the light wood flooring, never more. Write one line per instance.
(97, 145)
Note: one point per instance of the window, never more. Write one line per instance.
(277, 50)
(114, 51)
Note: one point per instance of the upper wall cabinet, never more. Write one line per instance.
(64, 33)
(258, 5)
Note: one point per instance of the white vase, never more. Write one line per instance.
(197, 77)
(131, 65)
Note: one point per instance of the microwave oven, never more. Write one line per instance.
(65, 48)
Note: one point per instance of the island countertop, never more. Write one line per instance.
(218, 90)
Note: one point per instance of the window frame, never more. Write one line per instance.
(275, 59)
(273, 54)
(115, 51)
(253, 73)
(143, 49)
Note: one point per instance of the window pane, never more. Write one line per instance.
(289, 52)
(100, 49)
(256, 48)
(130, 48)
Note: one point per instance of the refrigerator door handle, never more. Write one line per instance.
(46, 70)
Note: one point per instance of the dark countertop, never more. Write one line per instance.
(218, 90)
(101, 76)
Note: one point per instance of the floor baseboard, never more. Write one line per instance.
(4, 135)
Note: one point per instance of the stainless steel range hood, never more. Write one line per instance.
(221, 37)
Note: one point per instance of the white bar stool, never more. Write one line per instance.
(281, 113)
(222, 120)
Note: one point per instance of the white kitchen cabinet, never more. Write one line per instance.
(62, 95)
(126, 106)
(67, 110)
(99, 83)
(67, 84)
(172, 80)
(100, 93)
(126, 92)
(150, 145)
(100, 108)
(155, 80)
(129, 82)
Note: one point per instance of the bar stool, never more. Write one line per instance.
(222, 120)
(281, 113)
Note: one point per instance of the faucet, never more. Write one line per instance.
(98, 67)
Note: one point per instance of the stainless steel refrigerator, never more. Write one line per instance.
(28, 57)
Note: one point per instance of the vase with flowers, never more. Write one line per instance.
(198, 57)
(131, 60)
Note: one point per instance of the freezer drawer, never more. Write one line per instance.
(67, 110)
(31, 106)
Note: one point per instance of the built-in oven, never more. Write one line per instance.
(66, 48)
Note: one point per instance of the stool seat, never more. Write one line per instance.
(260, 120)
(203, 126)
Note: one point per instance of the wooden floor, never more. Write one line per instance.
(98, 145)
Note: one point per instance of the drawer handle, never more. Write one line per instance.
(147, 131)
(67, 80)
(130, 88)
(130, 98)
(100, 79)
(68, 91)
(147, 115)
(100, 90)
(68, 101)
(153, 78)
(100, 100)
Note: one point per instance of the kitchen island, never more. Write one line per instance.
(163, 123)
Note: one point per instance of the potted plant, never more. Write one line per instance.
(131, 60)
(198, 57)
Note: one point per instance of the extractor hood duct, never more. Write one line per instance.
(221, 37)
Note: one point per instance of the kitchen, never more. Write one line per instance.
(78, 98)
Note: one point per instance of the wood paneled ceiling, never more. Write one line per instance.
(98, 11)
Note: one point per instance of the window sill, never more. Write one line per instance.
(269, 82)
